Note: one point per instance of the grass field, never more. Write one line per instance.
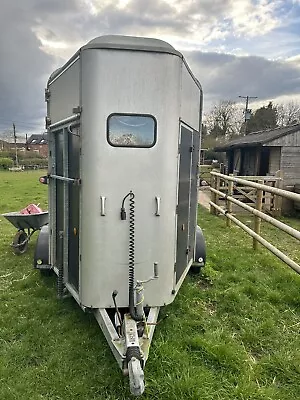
(232, 333)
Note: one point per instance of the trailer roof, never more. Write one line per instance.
(119, 42)
(131, 43)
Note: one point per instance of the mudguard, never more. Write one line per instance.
(41, 254)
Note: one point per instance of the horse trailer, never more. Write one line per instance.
(123, 122)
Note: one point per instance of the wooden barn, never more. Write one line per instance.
(263, 153)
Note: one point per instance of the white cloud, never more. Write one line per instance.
(225, 76)
(294, 60)
(196, 21)
(254, 19)
(212, 33)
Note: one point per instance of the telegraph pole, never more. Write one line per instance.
(15, 139)
(247, 111)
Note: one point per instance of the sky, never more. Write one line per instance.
(234, 47)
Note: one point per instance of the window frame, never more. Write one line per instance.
(132, 115)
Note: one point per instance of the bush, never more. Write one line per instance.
(214, 155)
(30, 154)
(21, 154)
(6, 163)
(6, 154)
(41, 162)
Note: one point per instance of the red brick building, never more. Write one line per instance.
(7, 146)
(38, 143)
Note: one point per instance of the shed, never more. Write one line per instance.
(263, 153)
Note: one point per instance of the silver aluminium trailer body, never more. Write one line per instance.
(124, 123)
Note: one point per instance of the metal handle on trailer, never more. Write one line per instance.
(103, 212)
(158, 202)
(65, 179)
(65, 121)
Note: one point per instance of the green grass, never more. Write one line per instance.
(232, 333)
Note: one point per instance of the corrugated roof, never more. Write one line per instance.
(259, 138)
(20, 141)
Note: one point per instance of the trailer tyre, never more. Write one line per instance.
(19, 239)
(46, 272)
(41, 254)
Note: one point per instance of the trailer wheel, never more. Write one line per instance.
(195, 270)
(46, 272)
(200, 253)
(41, 254)
(20, 243)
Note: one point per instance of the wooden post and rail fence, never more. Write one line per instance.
(225, 192)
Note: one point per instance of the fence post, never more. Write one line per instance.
(268, 196)
(277, 198)
(217, 187)
(257, 220)
(228, 203)
(213, 195)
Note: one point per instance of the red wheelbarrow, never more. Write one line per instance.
(27, 221)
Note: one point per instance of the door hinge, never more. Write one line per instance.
(177, 208)
(47, 122)
(77, 110)
(192, 148)
(47, 94)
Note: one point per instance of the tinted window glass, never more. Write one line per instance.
(131, 130)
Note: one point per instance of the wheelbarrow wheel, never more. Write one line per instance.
(18, 243)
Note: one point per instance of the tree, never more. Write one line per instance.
(288, 113)
(263, 118)
(204, 131)
(6, 135)
(224, 119)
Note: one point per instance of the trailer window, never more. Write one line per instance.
(128, 130)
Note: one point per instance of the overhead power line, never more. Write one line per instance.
(20, 123)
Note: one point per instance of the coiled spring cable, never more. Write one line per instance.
(131, 253)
